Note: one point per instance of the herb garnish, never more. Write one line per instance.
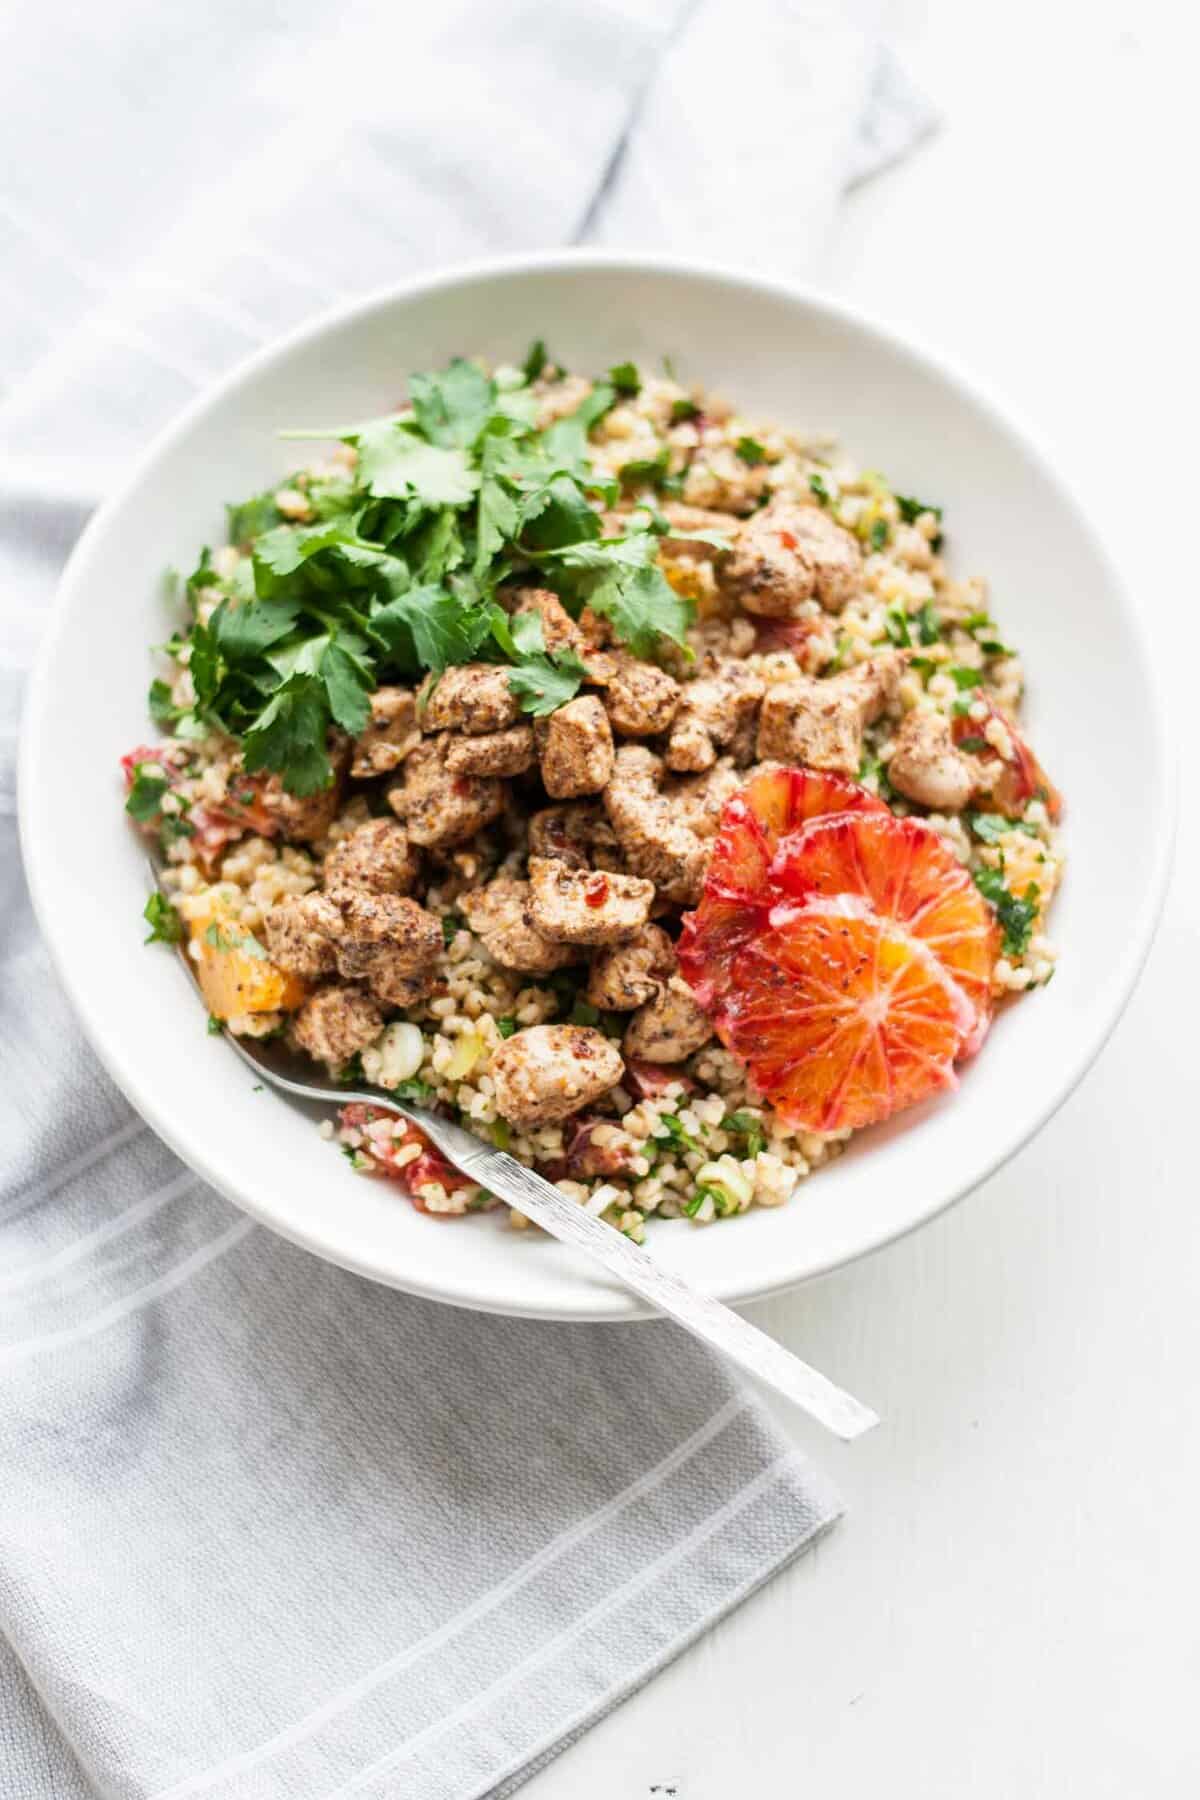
(166, 926)
(750, 451)
(1015, 915)
(399, 570)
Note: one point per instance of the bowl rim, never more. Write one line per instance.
(1121, 976)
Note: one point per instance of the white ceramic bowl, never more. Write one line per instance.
(1094, 713)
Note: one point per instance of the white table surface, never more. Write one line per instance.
(1011, 1607)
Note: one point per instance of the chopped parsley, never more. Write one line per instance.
(817, 486)
(928, 629)
(144, 800)
(895, 623)
(506, 1027)
(215, 1026)
(166, 926)
(750, 451)
(746, 1125)
(400, 569)
(911, 510)
(674, 1134)
(879, 534)
(966, 678)
(683, 410)
(1014, 915)
(625, 378)
(414, 1090)
(989, 828)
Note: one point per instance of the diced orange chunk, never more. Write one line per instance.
(235, 973)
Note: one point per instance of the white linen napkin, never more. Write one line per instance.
(268, 1532)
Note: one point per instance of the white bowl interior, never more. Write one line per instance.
(1092, 713)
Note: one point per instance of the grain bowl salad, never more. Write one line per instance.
(626, 778)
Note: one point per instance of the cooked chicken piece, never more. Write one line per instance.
(587, 906)
(715, 710)
(699, 800)
(336, 1022)
(376, 857)
(471, 697)
(669, 1027)
(301, 933)
(639, 698)
(575, 748)
(501, 915)
(550, 1071)
(559, 630)
(822, 722)
(304, 819)
(789, 553)
(657, 844)
(628, 974)
(440, 808)
(596, 628)
(391, 943)
(508, 752)
(925, 765)
(392, 733)
(566, 832)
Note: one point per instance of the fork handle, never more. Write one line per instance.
(705, 1318)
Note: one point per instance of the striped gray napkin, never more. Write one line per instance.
(267, 1530)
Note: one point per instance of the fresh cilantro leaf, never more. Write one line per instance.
(418, 1092)
(988, 827)
(451, 926)
(215, 1026)
(878, 535)
(556, 514)
(144, 800)
(395, 464)
(166, 926)
(673, 1133)
(750, 451)
(817, 486)
(683, 410)
(245, 631)
(966, 678)
(543, 684)
(1015, 916)
(453, 406)
(565, 440)
(163, 710)
(625, 378)
(348, 682)
(746, 1125)
(432, 626)
(643, 607)
(506, 1027)
(288, 736)
(652, 470)
(252, 517)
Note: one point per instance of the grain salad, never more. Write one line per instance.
(625, 777)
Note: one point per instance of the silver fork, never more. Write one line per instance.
(565, 1219)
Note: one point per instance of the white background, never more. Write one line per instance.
(1012, 1605)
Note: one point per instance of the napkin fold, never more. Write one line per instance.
(267, 1530)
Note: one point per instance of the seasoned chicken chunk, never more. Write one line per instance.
(550, 1071)
(685, 521)
(656, 843)
(471, 697)
(566, 832)
(392, 733)
(925, 765)
(508, 752)
(391, 943)
(575, 748)
(669, 1027)
(639, 698)
(587, 906)
(336, 1022)
(789, 553)
(699, 800)
(559, 630)
(439, 808)
(376, 857)
(821, 723)
(715, 711)
(305, 818)
(501, 915)
(301, 933)
(623, 977)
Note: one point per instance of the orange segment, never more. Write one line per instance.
(842, 1019)
(235, 974)
(738, 889)
(903, 872)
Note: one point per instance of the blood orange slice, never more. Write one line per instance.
(738, 889)
(842, 1018)
(903, 873)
